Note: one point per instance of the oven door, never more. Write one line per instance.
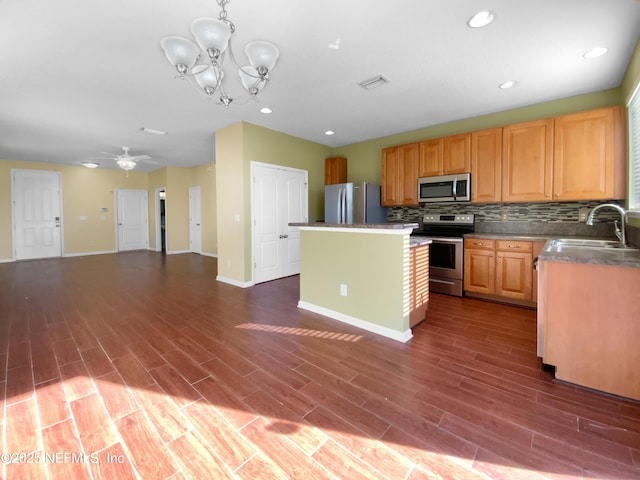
(445, 266)
(445, 257)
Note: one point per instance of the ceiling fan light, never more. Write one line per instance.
(90, 164)
(126, 164)
(180, 51)
(262, 55)
(211, 33)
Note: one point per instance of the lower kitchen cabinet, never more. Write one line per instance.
(479, 265)
(418, 284)
(499, 270)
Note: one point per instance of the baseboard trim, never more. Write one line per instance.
(356, 322)
(207, 254)
(86, 254)
(233, 282)
(177, 252)
(6, 260)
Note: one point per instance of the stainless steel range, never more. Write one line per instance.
(446, 253)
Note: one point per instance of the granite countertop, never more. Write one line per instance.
(417, 241)
(620, 257)
(379, 226)
(513, 236)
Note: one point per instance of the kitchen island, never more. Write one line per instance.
(588, 326)
(359, 274)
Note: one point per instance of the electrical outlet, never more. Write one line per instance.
(343, 290)
(505, 217)
(583, 213)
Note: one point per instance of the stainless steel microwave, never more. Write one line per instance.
(445, 188)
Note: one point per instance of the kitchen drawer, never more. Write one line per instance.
(480, 243)
(514, 246)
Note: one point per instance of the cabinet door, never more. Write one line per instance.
(486, 166)
(513, 275)
(430, 158)
(456, 154)
(391, 175)
(335, 170)
(527, 150)
(588, 164)
(479, 271)
(409, 159)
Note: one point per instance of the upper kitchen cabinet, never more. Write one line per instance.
(486, 166)
(527, 158)
(400, 175)
(589, 155)
(335, 170)
(444, 156)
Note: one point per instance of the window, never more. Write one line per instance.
(634, 150)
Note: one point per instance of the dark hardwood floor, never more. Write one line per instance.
(152, 369)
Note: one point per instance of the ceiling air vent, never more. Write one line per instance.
(374, 82)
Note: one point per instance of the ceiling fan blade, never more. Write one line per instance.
(150, 162)
(140, 157)
(107, 153)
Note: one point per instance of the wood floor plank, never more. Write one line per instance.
(93, 423)
(174, 385)
(162, 412)
(65, 456)
(232, 447)
(113, 463)
(132, 372)
(52, 403)
(230, 405)
(145, 448)
(197, 459)
(116, 395)
(284, 454)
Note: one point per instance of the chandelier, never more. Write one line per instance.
(203, 62)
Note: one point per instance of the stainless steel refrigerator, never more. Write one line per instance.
(357, 202)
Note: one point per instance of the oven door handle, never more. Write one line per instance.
(455, 188)
(437, 280)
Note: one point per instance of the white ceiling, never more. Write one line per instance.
(79, 77)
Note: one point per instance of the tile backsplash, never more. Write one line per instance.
(552, 218)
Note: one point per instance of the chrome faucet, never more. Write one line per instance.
(619, 230)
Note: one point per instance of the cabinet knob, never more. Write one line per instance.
(547, 195)
(514, 246)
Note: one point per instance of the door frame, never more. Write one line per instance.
(158, 230)
(274, 166)
(13, 212)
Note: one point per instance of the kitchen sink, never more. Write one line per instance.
(560, 244)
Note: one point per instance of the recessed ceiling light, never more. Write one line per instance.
(152, 131)
(508, 84)
(329, 132)
(595, 52)
(481, 19)
(266, 110)
(90, 164)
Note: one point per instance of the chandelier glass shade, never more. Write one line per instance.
(201, 61)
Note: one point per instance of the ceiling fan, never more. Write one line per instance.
(128, 162)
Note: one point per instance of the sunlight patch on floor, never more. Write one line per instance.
(303, 332)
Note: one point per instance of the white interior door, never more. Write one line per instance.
(279, 196)
(195, 229)
(132, 220)
(36, 214)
